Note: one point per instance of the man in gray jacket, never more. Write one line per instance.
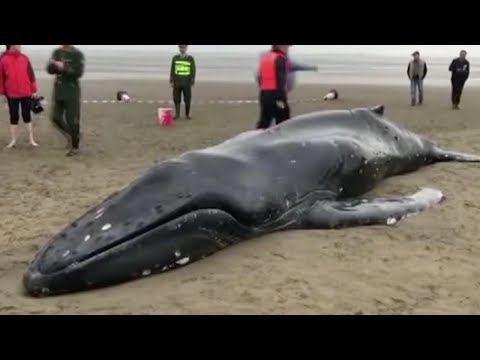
(417, 71)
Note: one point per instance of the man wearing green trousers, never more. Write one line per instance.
(67, 64)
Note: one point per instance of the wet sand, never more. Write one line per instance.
(427, 264)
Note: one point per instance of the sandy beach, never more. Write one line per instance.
(427, 264)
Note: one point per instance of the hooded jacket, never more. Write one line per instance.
(17, 78)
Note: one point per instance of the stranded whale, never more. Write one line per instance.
(311, 172)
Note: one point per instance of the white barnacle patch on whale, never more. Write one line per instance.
(106, 227)
(98, 215)
(147, 272)
(183, 261)
(178, 254)
(88, 237)
(66, 253)
(391, 221)
(293, 161)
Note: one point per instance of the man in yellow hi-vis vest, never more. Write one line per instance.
(182, 78)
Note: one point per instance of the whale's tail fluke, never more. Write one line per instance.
(453, 156)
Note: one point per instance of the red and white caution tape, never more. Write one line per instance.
(195, 102)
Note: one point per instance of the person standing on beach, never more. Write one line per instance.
(182, 79)
(417, 71)
(67, 64)
(18, 85)
(460, 69)
(273, 74)
(294, 68)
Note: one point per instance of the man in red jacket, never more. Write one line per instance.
(274, 69)
(18, 85)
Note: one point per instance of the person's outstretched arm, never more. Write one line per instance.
(294, 66)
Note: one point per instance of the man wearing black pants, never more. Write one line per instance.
(182, 79)
(273, 74)
(460, 69)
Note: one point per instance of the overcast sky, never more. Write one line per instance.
(447, 50)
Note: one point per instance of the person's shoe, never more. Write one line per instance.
(12, 144)
(33, 142)
(414, 102)
(73, 152)
(188, 117)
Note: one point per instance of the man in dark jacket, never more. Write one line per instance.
(182, 78)
(460, 69)
(273, 74)
(417, 71)
(67, 64)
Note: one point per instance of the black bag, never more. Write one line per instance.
(37, 107)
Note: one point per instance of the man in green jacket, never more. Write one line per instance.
(182, 78)
(67, 64)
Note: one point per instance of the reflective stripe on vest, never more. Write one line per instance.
(268, 72)
(183, 68)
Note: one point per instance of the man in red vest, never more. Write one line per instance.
(274, 68)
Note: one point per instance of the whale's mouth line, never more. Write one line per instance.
(156, 225)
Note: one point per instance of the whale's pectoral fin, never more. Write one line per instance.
(382, 211)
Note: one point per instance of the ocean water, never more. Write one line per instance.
(334, 69)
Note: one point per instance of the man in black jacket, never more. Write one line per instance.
(460, 69)
(182, 78)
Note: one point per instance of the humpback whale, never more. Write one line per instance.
(312, 172)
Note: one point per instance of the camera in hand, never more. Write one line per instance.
(37, 107)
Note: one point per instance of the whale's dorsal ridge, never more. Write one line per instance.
(379, 109)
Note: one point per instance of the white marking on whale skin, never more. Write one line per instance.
(178, 254)
(88, 237)
(293, 161)
(341, 189)
(147, 272)
(165, 268)
(98, 216)
(106, 227)
(66, 253)
(183, 261)
(391, 221)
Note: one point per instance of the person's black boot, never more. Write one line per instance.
(177, 111)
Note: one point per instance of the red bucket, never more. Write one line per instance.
(165, 117)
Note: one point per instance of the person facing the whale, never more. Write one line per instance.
(460, 69)
(274, 69)
(18, 85)
(417, 71)
(182, 79)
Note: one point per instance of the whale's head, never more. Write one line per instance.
(132, 233)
